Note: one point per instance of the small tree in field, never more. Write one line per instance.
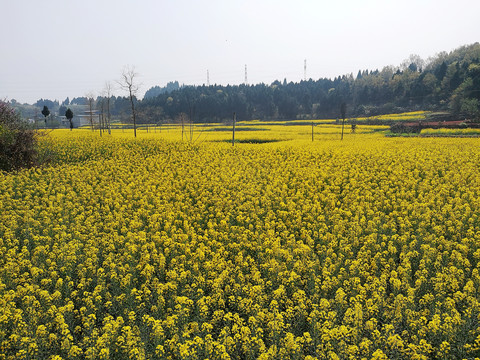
(45, 113)
(69, 116)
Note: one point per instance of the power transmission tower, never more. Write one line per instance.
(305, 70)
(246, 81)
(208, 78)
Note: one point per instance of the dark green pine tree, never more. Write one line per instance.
(45, 113)
(69, 116)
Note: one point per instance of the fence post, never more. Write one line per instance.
(233, 130)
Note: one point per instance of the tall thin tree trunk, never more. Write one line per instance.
(90, 112)
(133, 114)
(108, 116)
(183, 125)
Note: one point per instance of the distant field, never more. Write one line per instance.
(450, 132)
(279, 247)
(407, 117)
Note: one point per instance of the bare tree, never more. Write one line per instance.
(128, 83)
(182, 122)
(101, 115)
(91, 101)
(107, 92)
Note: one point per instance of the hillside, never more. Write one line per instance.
(447, 82)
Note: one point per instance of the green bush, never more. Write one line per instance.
(400, 128)
(18, 143)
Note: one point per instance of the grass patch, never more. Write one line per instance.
(410, 134)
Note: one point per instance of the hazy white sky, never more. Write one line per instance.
(58, 48)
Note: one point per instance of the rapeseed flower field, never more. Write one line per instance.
(406, 116)
(451, 132)
(283, 248)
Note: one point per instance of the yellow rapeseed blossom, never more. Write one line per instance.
(277, 247)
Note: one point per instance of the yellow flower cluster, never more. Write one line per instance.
(450, 132)
(152, 249)
(406, 116)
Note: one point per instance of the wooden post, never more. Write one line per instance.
(183, 125)
(312, 131)
(108, 117)
(192, 117)
(233, 130)
(191, 131)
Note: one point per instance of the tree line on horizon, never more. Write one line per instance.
(447, 82)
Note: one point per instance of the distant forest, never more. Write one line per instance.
(447, 82)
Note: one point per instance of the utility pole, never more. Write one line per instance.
(183, 124)
(305, 70)
(233, 131)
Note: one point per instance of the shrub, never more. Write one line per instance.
(399, 128)
(18, 145)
